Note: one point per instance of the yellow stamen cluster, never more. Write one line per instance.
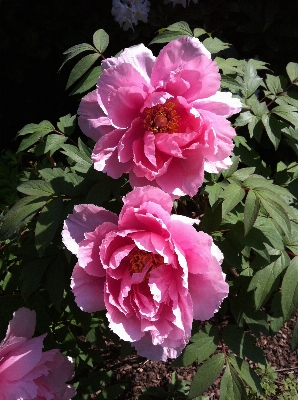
(138, 259)
(161, 118)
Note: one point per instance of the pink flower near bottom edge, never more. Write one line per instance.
(152, 271)
(26, 372)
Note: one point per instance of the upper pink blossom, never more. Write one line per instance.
(152, 271)
(160, 119)
(26, 372)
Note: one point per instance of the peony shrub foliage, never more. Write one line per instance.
(160, 217)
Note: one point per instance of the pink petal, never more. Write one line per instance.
(221, 103)
(122, 92)
(88, 254)
(85, 218)
(105, 155)
(92, 120)
(139, 56)
(88, 290)
(208, 291)
(146, 194)
(21, 360)
(22, 324)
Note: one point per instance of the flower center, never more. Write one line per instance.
(161, 118)
(138, 259)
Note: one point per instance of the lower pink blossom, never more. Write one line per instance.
(26, 372)
(152, 271)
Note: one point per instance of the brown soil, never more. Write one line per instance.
(137, 372)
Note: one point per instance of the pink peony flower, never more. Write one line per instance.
(152, 271)
(161, 119)
(25, 371)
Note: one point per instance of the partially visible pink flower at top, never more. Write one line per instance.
(162, 120)
(26, 372)
(152, 271)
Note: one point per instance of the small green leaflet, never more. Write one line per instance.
(100, 40)
(88, 81)
(215, 45)
(251, 211)
(231, 386)
(206, 375)
(292, 71)
(81, 67)
(289, 290)
(75, 50)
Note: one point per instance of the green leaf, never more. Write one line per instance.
(81, 67)
(88, 81)
(182, 27)
(55, 281)
(289, 290)
(276, 211)
(251, 211)
(294, 344)
(100, 40)
(111, 392)
(251, 80)
(32, 273)
(231, 386)
(267, 279)
(29, 128)
(242, 344)
(273, 128)
(291, 241)
(206, 375)
(75, 50)
(233, 194)
(211, 219)
(289, 113)
(243, 173)
(214, 45)
(274, 84)
(100, 192)
(214, 192)
(78, 156)
(230, 83)
(233, 168)
(292, 71)
(246, 373)
(20, 214)
(198, 32)
(47, 223)
(204, 344)
(257, 181)
(244, 118)
(166, 37)
(36, 188)
(53, 143)
(66, 124)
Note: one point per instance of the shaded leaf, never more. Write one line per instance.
(242, 344)
(47, 223)
(267, 279)
(273, 128)
(20, 214)
(75, 50)
(206, 375)
(204, 344)
(251, 211)
(55, 281)
(289, 290)
(231, 386)
(36, 188)
(80, 68)
(233, 194)
(88, 81)
(246, 373)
